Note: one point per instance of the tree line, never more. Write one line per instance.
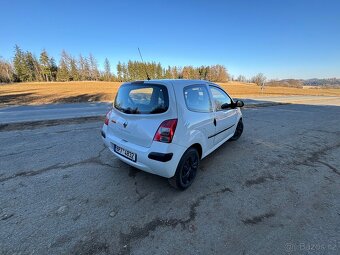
(26, 67)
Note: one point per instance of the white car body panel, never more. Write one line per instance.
(192, 128)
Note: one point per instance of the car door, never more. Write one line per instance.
(225, 119)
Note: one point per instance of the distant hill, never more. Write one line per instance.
(299, 83)
(321, 82)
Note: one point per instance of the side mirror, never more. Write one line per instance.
(226, 106)
(239, 103)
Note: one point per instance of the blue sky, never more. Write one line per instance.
(282, 39)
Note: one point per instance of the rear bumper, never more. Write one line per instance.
(160, 159)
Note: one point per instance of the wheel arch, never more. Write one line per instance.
(199, 149)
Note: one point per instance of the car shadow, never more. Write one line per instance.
(81, 98)
(14, 99)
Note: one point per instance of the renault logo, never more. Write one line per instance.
(125, 124)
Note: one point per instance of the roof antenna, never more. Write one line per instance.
(147, 75)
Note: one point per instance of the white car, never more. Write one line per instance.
(166, 127)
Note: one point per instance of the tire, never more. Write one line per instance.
(186, 170)
(238, 131)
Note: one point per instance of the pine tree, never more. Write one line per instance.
(119, 72)
(84, 69)
(107, 70)
(54, 69)
(37, 69)
(74, 73)
(63, 73)
(87, 69)
(31, 67)
(186, 72)
(81, 68)
(125, 72)
(167, 73)
(130, 71)
(19, 64)
(159, 69)
(45, 65)
(174, 73)
(94, 73)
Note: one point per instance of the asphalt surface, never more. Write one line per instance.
(31, 113)
(310, 100)
(274, 191)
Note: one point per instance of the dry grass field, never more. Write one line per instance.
(70, 92)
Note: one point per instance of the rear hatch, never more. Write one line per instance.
(139, 109)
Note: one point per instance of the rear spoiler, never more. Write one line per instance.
(137, 82)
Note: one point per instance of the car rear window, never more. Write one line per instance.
(142, 99)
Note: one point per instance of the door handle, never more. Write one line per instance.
(215, 122)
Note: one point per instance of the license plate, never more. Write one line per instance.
(125, 153)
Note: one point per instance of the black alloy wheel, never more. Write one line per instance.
(186, 170)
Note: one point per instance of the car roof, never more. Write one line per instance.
(177, 82)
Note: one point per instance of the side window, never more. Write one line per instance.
(197, 98)
(219, 97)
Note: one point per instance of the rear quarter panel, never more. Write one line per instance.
(192, 127)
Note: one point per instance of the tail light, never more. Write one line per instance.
(166, 131)
(107, 117)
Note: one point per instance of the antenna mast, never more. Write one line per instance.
(147, 75)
